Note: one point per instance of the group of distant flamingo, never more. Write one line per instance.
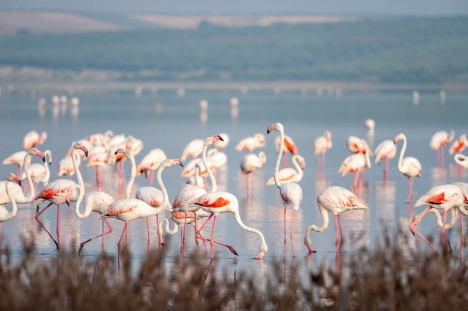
(194, 202)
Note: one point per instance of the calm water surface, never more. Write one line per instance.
(304, 117)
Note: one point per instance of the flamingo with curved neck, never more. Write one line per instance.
(408, 166)
(289, 174)
(4, 214)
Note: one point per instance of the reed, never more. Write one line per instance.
(385, 278)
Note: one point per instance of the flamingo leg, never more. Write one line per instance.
(410, 193)
(58, 226)
(335, 219)
(232, 249)
(414, 231)
(355, 180)
(212, 236)
(160, 241)
(204, 224)
(82, 244)
(443, 228)
(284, 223)
(151, 178)
(341, 229)
(123, 231)
(462, 233)
(292, 232)
(285, 163)
(42, 225)
(148, 229)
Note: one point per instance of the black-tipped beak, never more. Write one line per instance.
(50, 163)
(220, 138)
(86, 153)
(115, 153)
(68, 202)
(394, 142)
(181, 164)
(43, 159)
(268, 131)
(19, 183)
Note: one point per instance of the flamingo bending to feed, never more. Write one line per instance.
(289, 147)
(32, 139)
(16, 158)
(15, 190)
(151, 163)
(438, 142)
(40, 173)
(445, 197)
(459, 145)
(252, 142)
(355, 163)
(95, 201)
(291, 193)
(4, 214)
(386, 150)
(334, 200)
(322, 144)
(357, 145)
(130, 209)
(193, 149)
(56, 191)
(289, 174)
(408, 166)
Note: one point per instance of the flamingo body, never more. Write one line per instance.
(250, 143)
(33, 139)
(193, 149)
(251, 162)
(287, 175)
(385, 150)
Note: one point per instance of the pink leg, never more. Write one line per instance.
(341, 229)
(410, 193)
(443, 228)
(160, 242)
(148, 229)
(284, 224)
(442, 155)
(292, 232)
(219, 243)
(97, 236)
(204, 224)
(414, 231)
(43, 227)
(212, 236)
(461, 224)
(58, 226)
(285, 163)
(335, 219)
(151, 178)
(123, 231)
(355, 180)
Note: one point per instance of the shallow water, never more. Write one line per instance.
(304, 117)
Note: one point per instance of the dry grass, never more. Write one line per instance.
(382, 279)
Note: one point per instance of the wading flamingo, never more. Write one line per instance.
(99, 160)
(130, 209)
(151, 163)
(289, 147)
(291, 193)
(251, 162)
(355, 163)
(356, 144)
(32, 139)
(4, 214)
(66, 168)
(438, 142)
(193, 149)
(252, 142)
(15, 190)
(409, 166)
(289, 174)
(386, 150)
(40, 173)
(16, 158)
(322, 144)
(56, 191)
(334, 200)
(459, 145)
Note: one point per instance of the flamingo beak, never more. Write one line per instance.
(119, 151)
(220, 138)
(181, 164)
(17, 180)
(67, 200)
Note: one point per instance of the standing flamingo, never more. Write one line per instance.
(322, 144)
(56, 191)
(369, 124)
(99, 160)
(131, 209)
(33, 139)
(16, 158)
(95, 201)
(4, 214)
(386, 150)
(438, 142)
(408, 166)
(355, 163)
(251, 162)
(193, 149)
(151, 162)
(252, 142)
(291, 193)
(459, 145)
(289, 174)
(443, 197)
(356, 144)
(334, 200)
(40, 173)
(289, 147)
(16, 190)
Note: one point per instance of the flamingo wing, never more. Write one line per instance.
(150, 195)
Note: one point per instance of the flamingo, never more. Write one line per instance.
(386, 150)
(252, 142)
(334, 200)
(56, 191)
(33, 139)
(221, 144)
(369, 125)
(131, 209)
(40, 173)
(66, 167)
(289, 174)
(16, 190)
(459, 145)
(4, 214)
(251, 162)
(196, 180)
(16, 158)
(438, 142)
(289, 147)
(291, 193)
(99, 139)
(461, 160)
(99, 160)
(151, 162)
(356, 144)
(408, 166)
(322, 144)
(443, 197)
(95, 201)
(217, 158)
(193, 149)
(355, 163)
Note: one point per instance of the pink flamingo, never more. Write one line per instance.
(39, 173)
(443, 197)
(438, 142)
(221, 144)
(16, 190)
(291, 193)
(289, 147)
(459, 145)
(356, 144)
(289, 174)
(334, 200)
(56, 191)
(151, 162)
(252, 162)
(322, 144)
(408, 166)
(461, 160)
(252, 142)
(386, 150)
(95, 201)
(16, 158)
(4, 214)
(99, 160)
(193, 149)
(66, 167)
(33, 139)
(355, 163)
(130, 209)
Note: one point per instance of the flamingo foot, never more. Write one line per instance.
(260, 255)
(232, 250)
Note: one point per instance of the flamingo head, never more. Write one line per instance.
(260, 138)
(121, 150)
(70, 192)
(12, 177)
(210, 140)
(398, 137)
(35, 151)
(78, 145)
(171, 162)
(302, 161)
(327, 135)
(275, 126)
(263, 250)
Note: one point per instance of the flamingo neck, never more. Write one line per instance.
(165, 203)
(75, 166)
(48, 155)
(263, 247)
(26, 161)
(13, 202)
(131, 180)
(78, 203)
(402, 153)
(307, 240)
(299, 170)
(278, 160)
(214, 185)
(167, 226)
(367, 158)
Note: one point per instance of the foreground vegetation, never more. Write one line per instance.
(383, 279)
(395, 50)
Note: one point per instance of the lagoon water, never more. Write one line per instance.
(179, 121)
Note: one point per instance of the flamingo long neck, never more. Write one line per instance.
(324, 213)
(299, 170)
(367, 158)
(26, 161)
(214, 185)
(278, 160)
(168, 229)
(75, 166)
(48, 155)
(402, 153)
(243, 226)
(13, 202)
(88, 208)
(165, 203)
(131, 180)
